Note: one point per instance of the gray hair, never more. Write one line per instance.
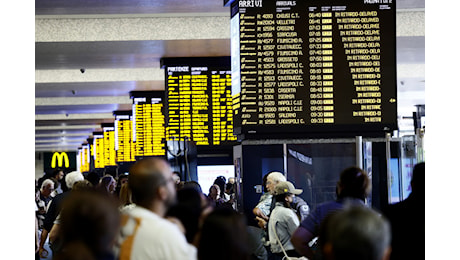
(46, 183)
(73, 177)
(276, 176)
(358, 233)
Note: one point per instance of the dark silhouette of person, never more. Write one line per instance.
(188, 210)
(353, 188)
(357, 233)
(223, 236)
(407, 219)
(89, 224)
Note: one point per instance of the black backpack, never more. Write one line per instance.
(300, 207)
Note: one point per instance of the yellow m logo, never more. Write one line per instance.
(60, 157)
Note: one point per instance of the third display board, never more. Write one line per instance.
(314, 66)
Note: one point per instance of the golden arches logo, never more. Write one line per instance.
(60, 157)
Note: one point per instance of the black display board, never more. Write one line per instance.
(198, 100)
(325, 67)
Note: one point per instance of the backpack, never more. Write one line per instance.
(300, 207)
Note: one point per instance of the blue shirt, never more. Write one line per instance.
(314, 219)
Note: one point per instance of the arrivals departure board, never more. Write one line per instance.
(148, 123)
(198, 98)
(124, 144)
(98, 149)
(108, 130)
(85, 158)
(314, 66)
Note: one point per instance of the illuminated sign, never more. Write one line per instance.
(148, 123)
(314, 67)
(98, 149)
(198, 100)
(62, 159)
(84, 158)
(109, 153)
(124, 145)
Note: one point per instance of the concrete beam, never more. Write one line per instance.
(113, 28)
(66, 127)
(63, 101)
(99, 75)
(74, 116)
(131, 29)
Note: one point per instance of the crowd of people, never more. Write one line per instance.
(151, 214)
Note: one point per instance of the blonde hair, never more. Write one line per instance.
(125, 195)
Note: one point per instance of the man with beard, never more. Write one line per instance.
(145, 233)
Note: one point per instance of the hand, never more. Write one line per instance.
(42, 252)
(260, 214)
(261, 222)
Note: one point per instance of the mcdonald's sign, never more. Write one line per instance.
(62, 160)
(65, 160)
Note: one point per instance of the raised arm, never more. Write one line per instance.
(300, 239)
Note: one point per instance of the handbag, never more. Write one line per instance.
(286, 257)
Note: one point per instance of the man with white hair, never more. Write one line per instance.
(45, 191)
(54, 209)
(44, 199)
(263, 208)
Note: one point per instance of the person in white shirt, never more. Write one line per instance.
(145, 233)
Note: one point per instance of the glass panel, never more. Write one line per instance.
(408, 160)
(316, 168)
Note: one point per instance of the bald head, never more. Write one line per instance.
(146, 177)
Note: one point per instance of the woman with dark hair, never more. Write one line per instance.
(221, 181)
(107, 184)
(188, 210)
(223, 236)
(352, 188)
(89, 223)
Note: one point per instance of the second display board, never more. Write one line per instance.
(198, 100)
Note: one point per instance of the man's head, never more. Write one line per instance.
(73, 177)
(354, 183)
(122, 179)
(151, 182)
(47, 187)
(58, 174)
(274, 178)
(357, 233)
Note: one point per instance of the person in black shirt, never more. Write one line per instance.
(407, 220)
